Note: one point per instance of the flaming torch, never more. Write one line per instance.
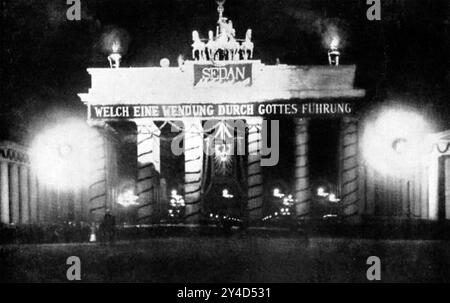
(115, 56)
(333, 52)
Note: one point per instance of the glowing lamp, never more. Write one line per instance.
(329, 216)
(64, 150)
(333, 52)
(173, 202)
(61, 155)
(400, 145)
(277, 193)
(288, 201)
(114, 60)
(115, 56)
(226, 194)
(332, 198)
(285, 211)
(395, 141)
(164, 62)
(127, 198)
(176, 199)
(321, 192)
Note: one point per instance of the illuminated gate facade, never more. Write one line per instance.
(223, 82)
(196, 91)
(198, 99)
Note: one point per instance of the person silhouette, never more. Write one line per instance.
(109, 225)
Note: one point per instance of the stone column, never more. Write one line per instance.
(97, 187)
(33, 191)
(14, 192)
(64, 203)
(446, 164)
(349, 167)
(43, 203)
(77, 205)
(23, 195)
(148, 150)
(302, 188)
(370, 190)
(164, 202)
(254, 171)
(193, 167)
(4, 193)
(433, 187)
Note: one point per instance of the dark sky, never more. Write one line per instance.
(404, 57)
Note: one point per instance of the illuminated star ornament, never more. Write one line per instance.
(223, 148)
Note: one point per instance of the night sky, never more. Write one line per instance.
(402, 58)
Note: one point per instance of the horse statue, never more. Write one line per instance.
(198, 46)
(247, 45)
(211, 46)
(233, 49)
(232, 46)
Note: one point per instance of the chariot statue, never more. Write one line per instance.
(224, 45)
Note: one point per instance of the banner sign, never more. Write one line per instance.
(232, 75)
(294, 109)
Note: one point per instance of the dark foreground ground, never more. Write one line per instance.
(230, 259)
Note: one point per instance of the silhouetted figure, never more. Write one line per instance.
(109, 226)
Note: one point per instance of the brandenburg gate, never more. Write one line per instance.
(220, 96)
(223, 82)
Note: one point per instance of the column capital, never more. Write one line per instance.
(254, 120)
(147, 126)
(143, 121)
(192, 124)
(95, 123)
